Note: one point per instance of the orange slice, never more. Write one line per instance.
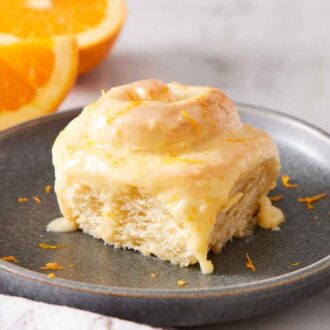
(35, 76)
(95, 23)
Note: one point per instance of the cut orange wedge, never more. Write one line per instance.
(35, 76)
(95, 23)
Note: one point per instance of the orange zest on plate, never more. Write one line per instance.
(48, 189)
(310, 200)
(52, 266)
(249, 263)
(286, 182)
(9, 258)
(35, 76)
(22, 199)
(47, 246)
(276, 198)
(36, 199)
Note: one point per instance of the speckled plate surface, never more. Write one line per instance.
(118, 282)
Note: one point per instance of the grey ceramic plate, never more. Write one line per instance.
(118, 282)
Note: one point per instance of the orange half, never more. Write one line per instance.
(35, 76)
(95, 23)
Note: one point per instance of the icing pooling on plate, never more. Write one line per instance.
(62, 225)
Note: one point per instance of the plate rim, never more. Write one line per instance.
(318, 269)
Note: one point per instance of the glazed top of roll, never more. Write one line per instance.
(149, 115)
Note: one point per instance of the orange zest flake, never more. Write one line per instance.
(249, 263)
(191, 121)
(286, 182)
(173, 198)
(183, 160)
(70, 265)
(52, 266)
(202, 102)
(153, 275)
(47, 246)
(9, 258)
(22, 199)
(132, 105)
(51, 275)
(130, 96)
(310, 200)
(162, 94)
(37, 199)
(181, 282)
(48, 189)
(192, 214)
(276, 198)
(295, 264)
(234, 140)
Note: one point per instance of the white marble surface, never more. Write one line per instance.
(23, 314)
(270, 53)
